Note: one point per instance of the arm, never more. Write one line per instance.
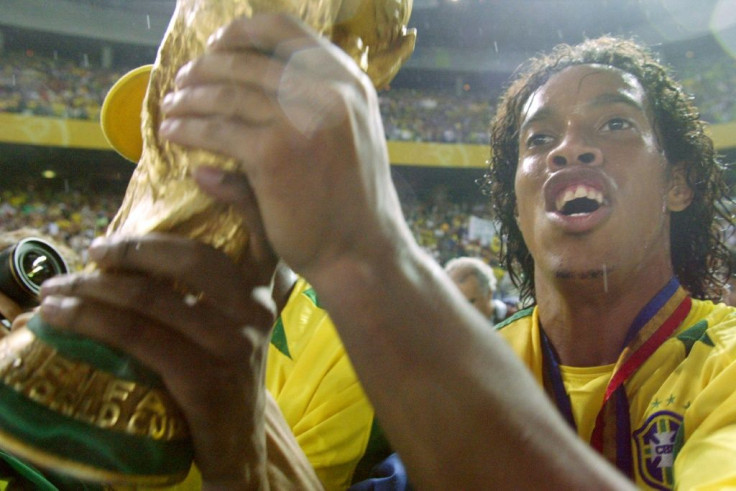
(468, 412)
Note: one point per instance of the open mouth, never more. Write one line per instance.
(578, 200)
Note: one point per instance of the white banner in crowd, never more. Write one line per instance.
(481, 229)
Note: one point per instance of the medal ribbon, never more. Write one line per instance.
(652, 326)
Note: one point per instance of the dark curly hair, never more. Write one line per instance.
(699, 256)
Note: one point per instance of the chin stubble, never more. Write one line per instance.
(593, 274)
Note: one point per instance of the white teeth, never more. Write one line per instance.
(569, 195)
(578, 191)
(595, 195)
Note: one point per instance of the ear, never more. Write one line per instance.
(679, 193)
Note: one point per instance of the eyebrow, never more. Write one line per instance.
(600, 100)
(616, 98)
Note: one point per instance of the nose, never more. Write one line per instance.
(574, 150)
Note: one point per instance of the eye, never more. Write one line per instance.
(537, 139)
(617, 124)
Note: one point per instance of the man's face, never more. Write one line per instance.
(472, 290)
(591, 182)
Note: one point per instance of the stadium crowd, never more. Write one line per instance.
(436, 116)
(40, 86)
(76, 216)
(37, 85)
(713, 84)
(73, 217)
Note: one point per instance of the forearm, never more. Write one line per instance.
(277, 463)
(250, 475)
(455, 401)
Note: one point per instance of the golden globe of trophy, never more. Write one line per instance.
(74, 406)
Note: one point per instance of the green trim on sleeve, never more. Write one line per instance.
(278, 338)
(520, 314)
(312, 295)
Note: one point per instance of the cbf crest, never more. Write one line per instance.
(655, 446)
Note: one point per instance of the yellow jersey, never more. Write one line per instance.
(682, 402)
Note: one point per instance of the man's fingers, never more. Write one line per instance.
(157, 302)
(226, 187)
(234, 189)
(247, 103)
(225, 136)
(123, 331)
(231, 188)
(242, 66)
(224, 385)
(173, 257)
(283, 39)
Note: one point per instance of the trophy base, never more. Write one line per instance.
(74, 407)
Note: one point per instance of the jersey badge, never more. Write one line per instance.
(655, 448)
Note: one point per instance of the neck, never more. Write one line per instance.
(587, 320)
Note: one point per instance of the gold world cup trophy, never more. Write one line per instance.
(74, 406)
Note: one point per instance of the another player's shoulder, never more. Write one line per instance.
(303, 305)
(301, 322)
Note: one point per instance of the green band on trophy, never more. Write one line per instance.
(59, 412)
(77, 390)
(98, 355)
(47, 438)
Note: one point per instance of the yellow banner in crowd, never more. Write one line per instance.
(72, 133)
(51, 132)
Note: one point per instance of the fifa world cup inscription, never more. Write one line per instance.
(82, 392)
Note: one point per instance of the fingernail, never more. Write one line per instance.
(48, 287)
(167, 101)
(214, 37)
(182, 73)
(98, 242)
(165, 127)
(97, 248)
(208, 175)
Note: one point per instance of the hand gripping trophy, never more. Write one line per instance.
(75, 406)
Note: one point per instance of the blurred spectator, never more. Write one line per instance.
(477, 281)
